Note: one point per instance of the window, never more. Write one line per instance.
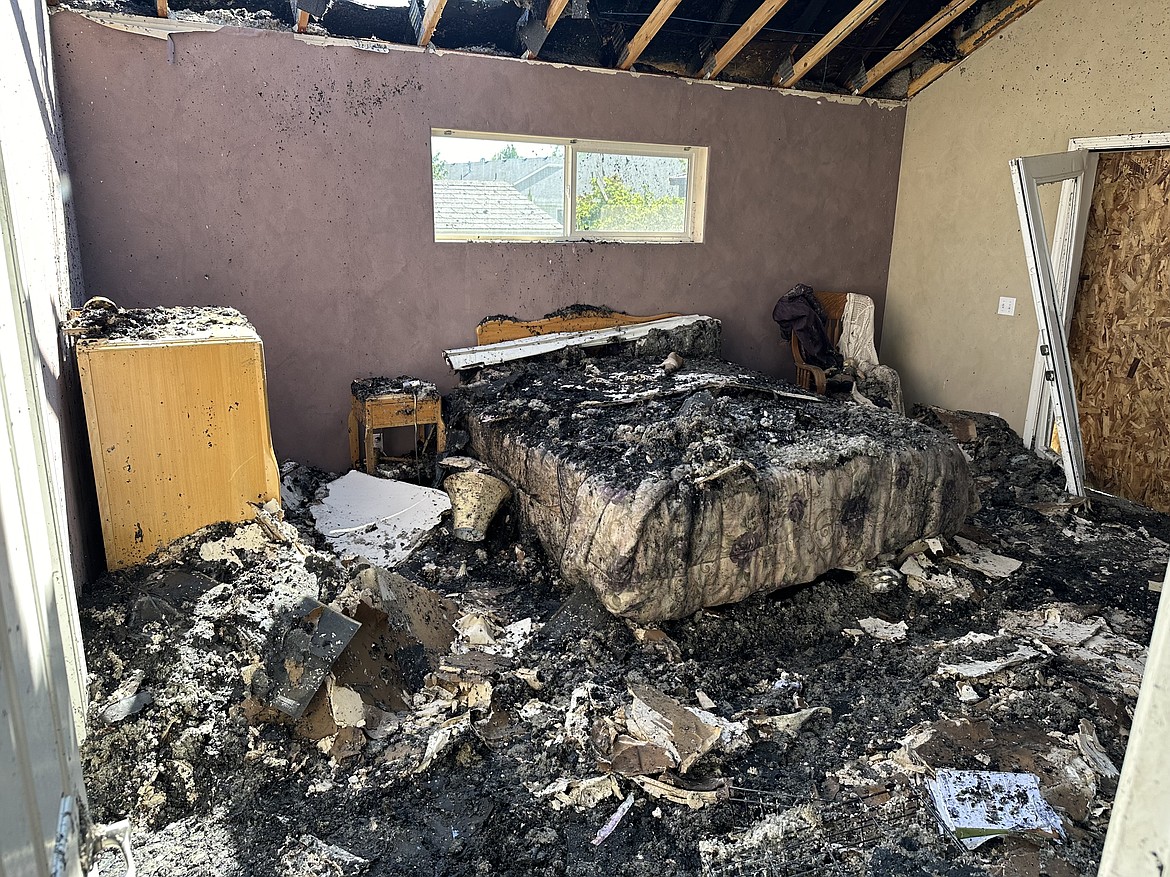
(495, 187)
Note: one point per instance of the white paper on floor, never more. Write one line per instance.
(377, 519)
(977, 805)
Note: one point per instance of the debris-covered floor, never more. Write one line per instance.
(815, 713)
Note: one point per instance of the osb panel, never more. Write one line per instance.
(1120, 338)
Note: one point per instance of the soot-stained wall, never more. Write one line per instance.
(251, 169)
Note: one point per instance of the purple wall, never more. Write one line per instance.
(291, 181)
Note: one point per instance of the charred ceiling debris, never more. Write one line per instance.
(355, 682)
(883, 48)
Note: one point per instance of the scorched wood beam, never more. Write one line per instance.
(555, 8)
(970, 43)
(646, 33)
(856, 17)
(430, 20)
(759, 19)
(913, 43)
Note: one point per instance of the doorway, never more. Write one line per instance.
(1119, 340)
(1111, 275)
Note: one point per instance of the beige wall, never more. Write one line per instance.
(1069, 68)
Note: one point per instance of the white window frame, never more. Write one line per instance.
(694, 210)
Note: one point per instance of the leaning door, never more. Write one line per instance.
(1051, 275)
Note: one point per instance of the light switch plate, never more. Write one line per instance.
(1007, 306)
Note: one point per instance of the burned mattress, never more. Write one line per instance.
(668, 493)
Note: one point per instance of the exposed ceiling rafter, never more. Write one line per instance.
(430, 20)
(856, 17)
(912, 44)
(971, 42)
(646, 33)
(758, 20)
(555, 8)
(533, 33)
(876, 35)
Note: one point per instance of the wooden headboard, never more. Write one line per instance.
(497, 329)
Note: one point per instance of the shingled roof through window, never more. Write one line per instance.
(488, 207)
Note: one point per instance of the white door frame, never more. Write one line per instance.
(1067, 250)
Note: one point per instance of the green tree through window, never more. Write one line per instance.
(609, 204)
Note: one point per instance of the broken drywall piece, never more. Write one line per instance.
(976, 806)
(975, 670)
(695, 799)
(883, 630)
(666, 723)
(346, 705)
(921, 578)
(632, 757)
(1093, 752)
(962, 427)
(789, 724)
(992, 565)
(576, 721)
(1089, 642)
(968, 694)
(377, 519)
(405, 629)
(530, 676)
(477, 630)
(442, 739)
(584, 794)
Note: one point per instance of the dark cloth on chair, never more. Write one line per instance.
(799, 311)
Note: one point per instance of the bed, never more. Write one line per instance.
(668, 493)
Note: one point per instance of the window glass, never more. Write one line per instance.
(631, 193)
(498, 188)
(501, 187)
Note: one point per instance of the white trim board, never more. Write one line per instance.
(521, 348)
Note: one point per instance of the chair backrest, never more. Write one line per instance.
(834, 305)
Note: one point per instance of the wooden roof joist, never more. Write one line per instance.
(555, 8)
(534, 34)
(646, 33)
(912, 44)
(971, 42)
(856, 17)
(756, 23)
(430, 20)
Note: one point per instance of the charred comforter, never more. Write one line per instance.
(671, 493)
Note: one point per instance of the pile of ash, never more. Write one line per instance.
(527, 730)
